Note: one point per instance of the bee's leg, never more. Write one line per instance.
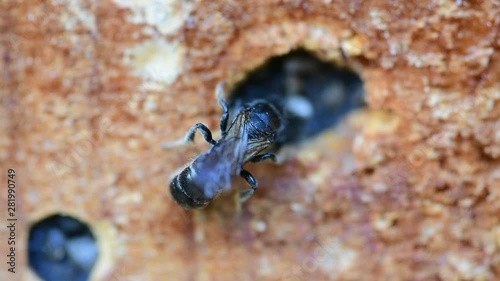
(245, 195)
(262, 157)
(223, 104)
(189, 138)
(278, 158)
(238, 211)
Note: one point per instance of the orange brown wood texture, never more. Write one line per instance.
(408, 190)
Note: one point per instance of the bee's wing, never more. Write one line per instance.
(215, 167)
(255, 146)
(237, 126)
(238, 137)
(223, 160)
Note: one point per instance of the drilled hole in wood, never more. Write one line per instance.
(313, 95)
(61, 248)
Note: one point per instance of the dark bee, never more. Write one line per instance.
(254, 128)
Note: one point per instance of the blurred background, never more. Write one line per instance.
(391, 139)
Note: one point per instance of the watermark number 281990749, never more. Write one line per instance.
(11, 220)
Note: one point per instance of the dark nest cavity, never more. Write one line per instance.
(312, 95)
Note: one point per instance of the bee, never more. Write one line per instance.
(255, 127)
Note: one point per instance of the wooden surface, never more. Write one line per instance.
(90, 89)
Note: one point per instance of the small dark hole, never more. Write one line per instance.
(313, 95)
(61, 248)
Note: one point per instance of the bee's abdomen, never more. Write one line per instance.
(185, 192)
